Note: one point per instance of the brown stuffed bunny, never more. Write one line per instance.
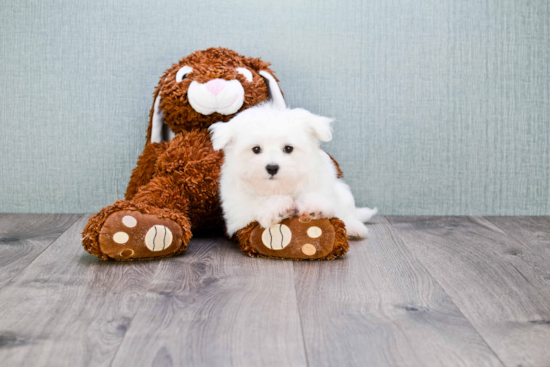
(174, 188)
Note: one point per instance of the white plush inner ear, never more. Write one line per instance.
(247, 73)
(167, 133)
(159, 131)
(274, 91)
(158, 122)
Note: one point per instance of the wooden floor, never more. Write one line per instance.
(420, 291)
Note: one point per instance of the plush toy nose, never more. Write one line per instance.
(272, 169)
(215, 86)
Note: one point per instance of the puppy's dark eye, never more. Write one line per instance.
(257, 150)
(288, 149)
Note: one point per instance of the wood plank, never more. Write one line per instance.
(378, 306)
(500, 284)
(532, 232)
(217, 307)
(24, 236)
(68, 308)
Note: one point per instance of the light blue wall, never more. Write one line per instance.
(442, 107)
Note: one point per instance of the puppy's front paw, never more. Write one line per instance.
(313, 207)
(308, 217)
(277, 209)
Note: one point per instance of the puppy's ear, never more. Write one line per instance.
(318, 125)
(321, 127)
(221, 134)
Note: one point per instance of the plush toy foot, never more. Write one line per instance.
(295, 239)
(129, 234)
(128, 231)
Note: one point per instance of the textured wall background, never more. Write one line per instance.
(442, 107)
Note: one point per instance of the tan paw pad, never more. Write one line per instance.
(314, 232)
(121, 237)
(129, 221)
(126, 252)
(308, 249)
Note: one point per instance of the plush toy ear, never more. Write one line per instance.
(263, 69)
(157, 131)
(221, 133)
(157, 122)
(274, 91)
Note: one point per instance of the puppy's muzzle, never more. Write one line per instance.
(272, 169)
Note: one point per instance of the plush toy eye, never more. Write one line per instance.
(256, 150)
(288, 149)
(246, 73)
(182, 73)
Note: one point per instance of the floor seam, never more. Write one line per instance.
(510, 235)
(41, 252)
(299, 313)
(147, 292)
(413, 255)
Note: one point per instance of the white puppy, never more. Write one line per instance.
(274, 168)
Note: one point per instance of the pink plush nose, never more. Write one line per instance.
(215, 86)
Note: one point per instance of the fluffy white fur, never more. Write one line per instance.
(306, 182)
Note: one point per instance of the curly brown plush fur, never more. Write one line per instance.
(178, 113)
(178, 180)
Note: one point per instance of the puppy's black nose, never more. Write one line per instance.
(272, 169)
